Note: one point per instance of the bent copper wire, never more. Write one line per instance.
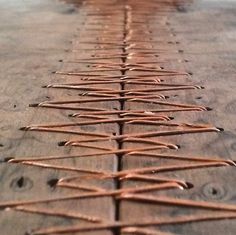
(64, 168)
(110, 91)
(179, 202)
(132, 112)
(104, 121)
(119, 65)
(122, 174)
(143, 122)
(92, 116)
(128, 67)
(93, 81)
(87, 146)
(117, 120)
(87, 73)
(42, 129)
(137, 140)
(167, 168)
(92, 60)
(88, 188)
(130, 98)
(140, 81)
(144, 223)
(50, 212)
(139, 77)
(118, 152)
(154, 134)
(137, 177)
(152, 179)
(141, 189)
(140, 231)
(144, 115)
(168, 103)
(107, 193)
(130, 94)
(153, 82)
(126, 42)
(176, 157)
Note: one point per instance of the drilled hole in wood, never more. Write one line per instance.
(20, 182)
(198, 98)
(214, 191)
(61, 143)
(52, 182)
(189, 185)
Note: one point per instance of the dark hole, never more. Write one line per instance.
(52, 182)
(214, 191)
(14, 105)
(60, 60)
(7, 159)
(20, 182)
(62, 143)
(189, 185)
(1, 145)
(199, 97)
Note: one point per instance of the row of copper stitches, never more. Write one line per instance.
(120, 41)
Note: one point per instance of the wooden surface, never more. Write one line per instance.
(209, 48)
